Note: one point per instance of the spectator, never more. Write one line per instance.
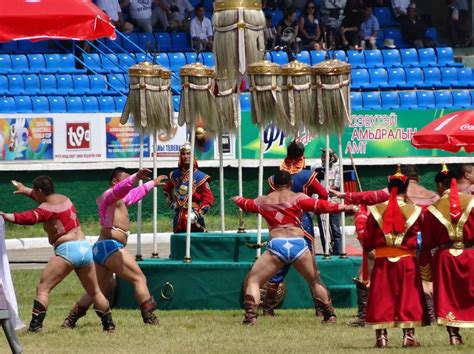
(349, 31)
(309, 29)
(113, 10)
(269, 33)
(287, 30)
(332, 15)
(140, 14)
(369, 29)
(272, 4)
(458, 23)
(399, 8)
(201, 30)
(414, 30)
(179, 15)
(160, 15)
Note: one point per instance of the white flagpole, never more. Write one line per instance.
(343, 215)
(221, 182)
(155, 199)
(187, 258)
(260, 188)
(327, 237)
(241, 228)
(138, 256)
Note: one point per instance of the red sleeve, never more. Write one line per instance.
(360, 221)
(319, 206)
(206, 193)
(32, 217)
(168, 189)
(247, 205)
(367, 198)
(371, 228)
(314, 187)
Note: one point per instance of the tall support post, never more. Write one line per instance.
(326, 228)
(260, 188)
(241, 228)
(343, 215)
(138, 256)
(187, 257)
(155, 254)
(221, 183)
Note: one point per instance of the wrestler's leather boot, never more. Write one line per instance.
(362, 293)
(147, 309)
(251, 311)
(269, 302)
(326, 309)
(108, 324)
(430, 314)
(454, 336)
(409, 339)
(381, 338)
(75, 314)
(37, 317)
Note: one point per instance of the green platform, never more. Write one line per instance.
(214, 278)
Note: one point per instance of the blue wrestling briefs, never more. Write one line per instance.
(287, 250)
(103, 249)
(78, 253)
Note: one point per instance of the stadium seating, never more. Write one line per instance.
(384, 16)
(177, 60)
(391, 58)
(90, 104)
(23, 104)
(32, 84)
(443, 99)
(40, 104)
(36, 63)
(180, 41)
(16, 84)
(119, 103)
(355, 58)
(5, 64)
(106, 104)
(445, 57)
(390, 100)
(461, 99)
(48, 84)
(373, 58)
(356, 100)
(7, 105)
(176, 102)
(81, 84)
(409, 57)
(408, 99)
(57, 104)
(427, 57)
(280, 58)
(317, 56)
(98, 85)
(465, 78)
(396, 78)
(65, 84)
(245, 101)
(164, 41)
(304, 57)
(371, 100)
(3, 85)
(74, 104)
(378, 78)
(19, 63)
(360, 79)
(425, 99)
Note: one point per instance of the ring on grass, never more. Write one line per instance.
(167, 291)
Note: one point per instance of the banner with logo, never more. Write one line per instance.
(123, 141)
(79, 138)
(26, 139)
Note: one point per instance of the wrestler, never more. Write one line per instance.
(395, 294)
(303, 181)
(465, 179)
(283, 209)
(71, 250)
(202, 194)
(109, 254)
(447, 255)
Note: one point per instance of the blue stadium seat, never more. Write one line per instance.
(395, 34)
(74, 104)
(164, 41)
(9, 47)
(175, 84)
(180, 41)
(465, 78)
(280, 57)
(446, 57)
(317, 56)
(90, 104)
(396, 78)
(130, 42)
(373, 58)
(36, 63)
(190, 57)
(48, 84)
(339, 55)
(384, 16)
(449, 77)
(277, 16)
(23, 104)
(53, 63)
(390, 99)
(146, 41)
(378, 78)
(391, 58)
(371, 100)
(110, 63)
(19, 63)
(355, 57)
(409, 58)
(5, 64)
(144, 57)
(119, 103)
(16, 85)
(93, 63)
(177, 60)
(432, 78)
(40, 104)
(208, 58)
(57, 104)
(245, 101)
(106, 104)
(126, 60)
(432, 33)
(360, 79)
(32, 84)
(443, 99)
(304, 57)
(3, 85)
(163, 60)
(26, 46)
(81, 84)
(117, 82)
(7, 105)
(414, 77)
(408, 99)
(426, 99)
(65, 84)
(427, 57)
(68, 64)
(208, 4)
(176, 102)
(461, 99)
(98, 84)
(356, 100)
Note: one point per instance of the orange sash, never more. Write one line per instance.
(393, 252)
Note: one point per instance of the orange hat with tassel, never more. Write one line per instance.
(454, 201)
(393, 220)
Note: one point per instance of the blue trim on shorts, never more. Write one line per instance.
(288, 250)
(78, 253)
(103, 249)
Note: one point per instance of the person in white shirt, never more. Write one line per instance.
(201, 30)
(141, 14)
(400, 7)
(113, 10)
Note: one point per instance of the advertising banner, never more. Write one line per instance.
(123, 141)
(26, 139)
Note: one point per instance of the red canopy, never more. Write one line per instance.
(450, 132)
(53, 19)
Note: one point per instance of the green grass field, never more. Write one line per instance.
(293, 331)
